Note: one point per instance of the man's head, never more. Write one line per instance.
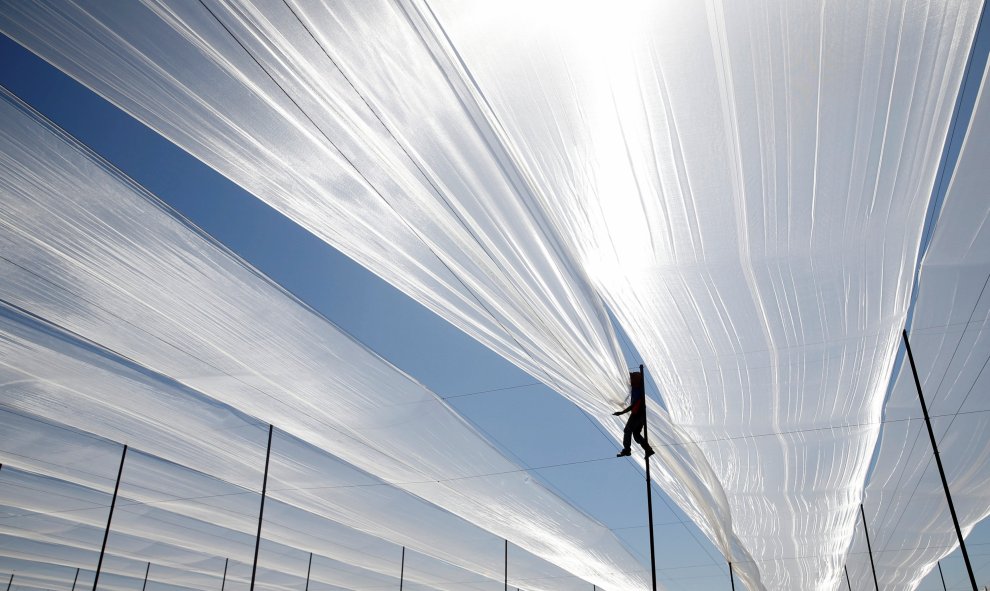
(636, 381)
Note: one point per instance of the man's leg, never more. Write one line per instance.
(627, 434)
(637, 435)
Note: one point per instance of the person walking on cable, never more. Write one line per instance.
(637, 416)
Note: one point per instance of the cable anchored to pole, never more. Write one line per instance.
(309, 569)
(869, 548)
(261, 512)
(506, 565)
(106, 533)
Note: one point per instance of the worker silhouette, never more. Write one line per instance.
(637, 416)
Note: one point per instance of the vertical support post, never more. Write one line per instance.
(938, 462)
(74, 579)
(402, 568)
(941, 576)
(868, 547)
(146, 571)
(732, 578)
(106, 533)
(261, 512)
(223, 582)
(309, 569)
(649, 488)
(10, 582)
(848, 584)
(507, 565)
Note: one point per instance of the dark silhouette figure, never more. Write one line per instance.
(637, 416)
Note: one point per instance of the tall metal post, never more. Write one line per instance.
(74, 579)
(402, 568)
(223, 582)
(732, 578)
(146, 571)
(938, 462)
(507, 565)
(106, 534)
(848, 584)
(649, 489)
(261, 513)
(941, 576)
(309, 569)
(869, 548)
(10, 582)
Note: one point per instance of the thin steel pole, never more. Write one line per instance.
(402, 568)
(146, 571)
(309, 569)
(938, 461)
(10, 581)
(732, 579)
(941, 576)
(223, 582)
(649, 489)
(848, 584)
(74, 579)
(113, 503)
(261, 513)
(869, 548)
(507, 565)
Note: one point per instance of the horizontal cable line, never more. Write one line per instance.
(519, 470)
(492, 390)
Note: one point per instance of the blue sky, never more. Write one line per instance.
(528, 422)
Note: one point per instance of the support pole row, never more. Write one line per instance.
(941, 473)
(257, 543)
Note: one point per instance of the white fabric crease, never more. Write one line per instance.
(90, 252)
(906, 508)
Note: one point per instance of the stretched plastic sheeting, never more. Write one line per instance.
(354, 121)
(93, 254)
(745, 183)
(183, 522)
(906, 509)
(316, 502)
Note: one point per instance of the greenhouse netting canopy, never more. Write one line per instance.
(748, 189)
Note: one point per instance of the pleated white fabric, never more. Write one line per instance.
(353, 121)
(743, 184)
(906, 509)
(746, 185)
(157, 337)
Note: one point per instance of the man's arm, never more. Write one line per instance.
(623, 411)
